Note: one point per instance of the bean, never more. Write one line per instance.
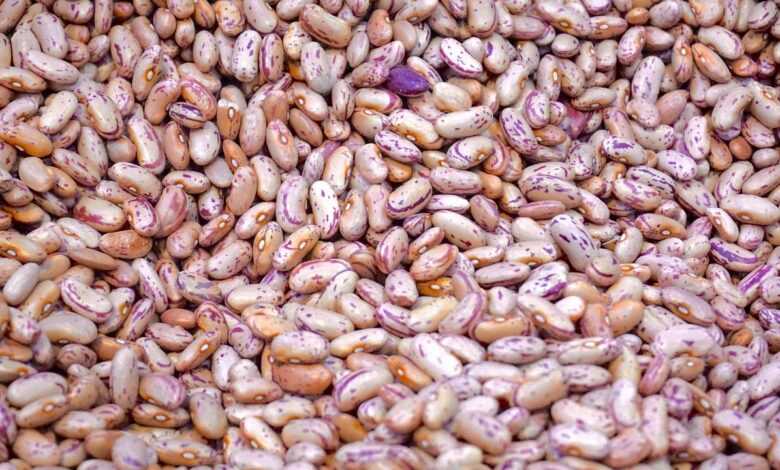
(208, 417)
(348, 397)
(131, 452)
(728, 422)
(124, 378)
(481, 430)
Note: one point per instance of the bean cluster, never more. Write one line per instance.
(389, 234)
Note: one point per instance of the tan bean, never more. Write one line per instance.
(327, 28)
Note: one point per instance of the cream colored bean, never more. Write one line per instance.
(21, 284)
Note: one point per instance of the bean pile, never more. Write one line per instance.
(390, 234)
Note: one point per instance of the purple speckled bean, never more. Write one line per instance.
(391, 250)
(728, 316)
(482, 430)
(465, 123)
(8, 429)
(733, 256)
(653, 177)
(455, 55)
(691, 339)
(537, 109)
(360, 454)
(747, 432)
(433, 358)
(358, 386)
(409, 198)
(150, 284)
(577, 440)
(547, 280)
(85, 300)
(517, 131)
(676, 164)
(397, 147)
(467, 312)
(470, 152)
(312, 276)
(770, 289)
(325, 207)
(291, 203)
(574, 240)
(646, 82)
